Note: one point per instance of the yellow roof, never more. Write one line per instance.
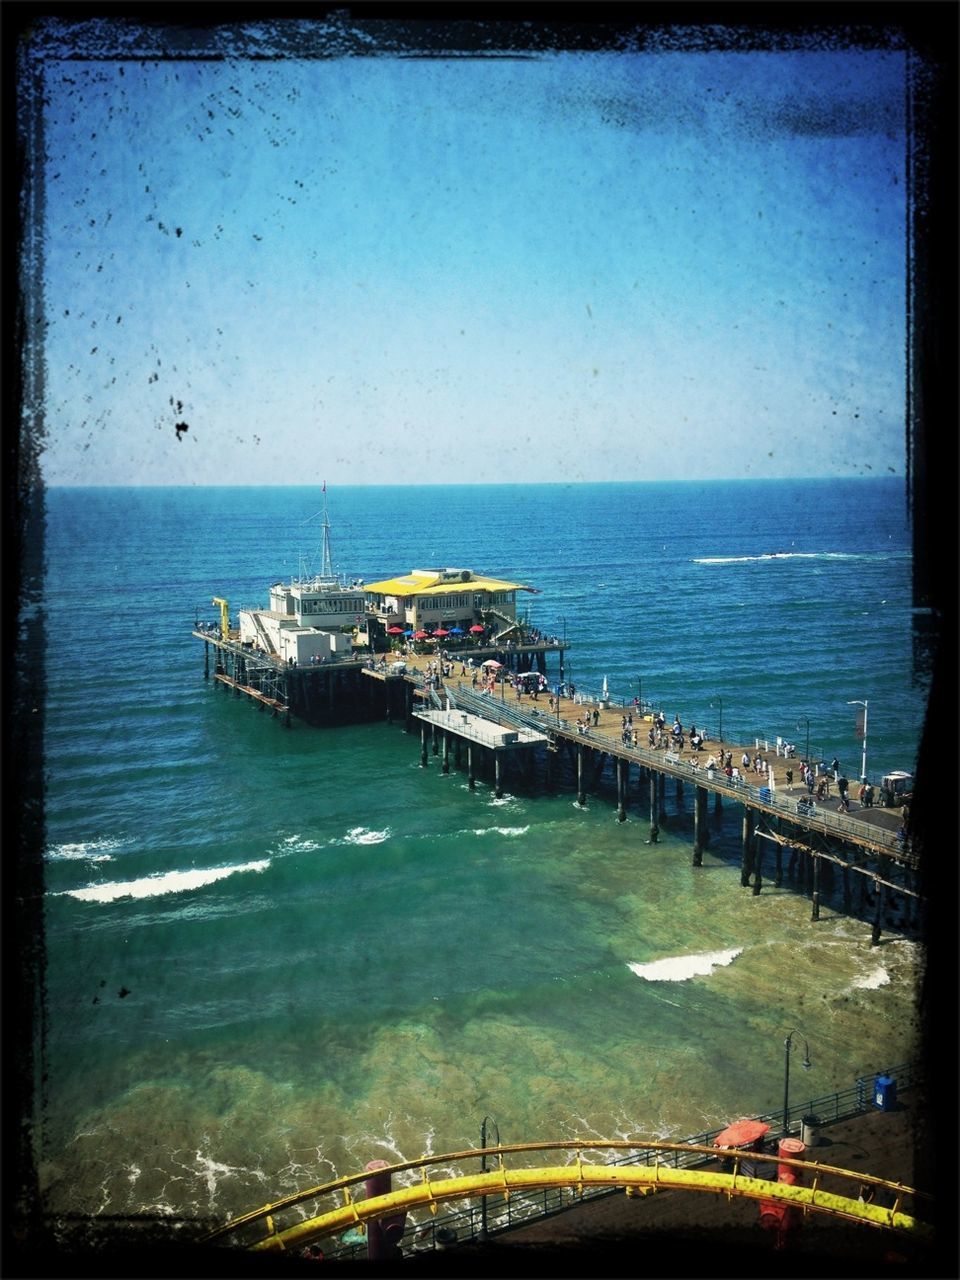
(417, 584)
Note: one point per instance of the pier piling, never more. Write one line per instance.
(815, 908)
(746, 860)
(654, 807)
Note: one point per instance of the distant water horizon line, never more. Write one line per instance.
(499, 484)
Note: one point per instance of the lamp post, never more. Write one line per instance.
(640, 695)
(806, 1064)
(483, 1169)
(719, 700)
(805, 720)
(858, 702)
(563, 622)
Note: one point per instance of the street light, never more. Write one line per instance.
(806, 1064)
(806, 721)
(858, 702)
(483, 1169)
(639, 695)
(718, 699)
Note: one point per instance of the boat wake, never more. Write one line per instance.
(785, 555)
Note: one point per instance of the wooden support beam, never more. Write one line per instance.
(701, 835)
(746, 848)
(815, 909)
(655, 781)
(875, 932)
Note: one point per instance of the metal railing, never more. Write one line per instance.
(737, 788)
(521, 1208)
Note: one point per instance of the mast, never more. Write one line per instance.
(326, 567)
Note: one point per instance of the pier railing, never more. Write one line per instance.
(470, 1221)
(799, 809)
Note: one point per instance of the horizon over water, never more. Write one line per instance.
(273, 955)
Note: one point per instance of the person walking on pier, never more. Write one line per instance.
(842, 786)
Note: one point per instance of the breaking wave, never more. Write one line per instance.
(160, 882)
(680, 968)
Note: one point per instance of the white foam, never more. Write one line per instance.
(296, 844)
(360, 835)
(160, 883)
(82, 851)
(778, 555)
(500, 831)
(870, 981)
(680, 968)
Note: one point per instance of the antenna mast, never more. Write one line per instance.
(326, 568)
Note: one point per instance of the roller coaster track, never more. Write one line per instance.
(851, 1202)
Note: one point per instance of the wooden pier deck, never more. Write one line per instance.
(867, 846)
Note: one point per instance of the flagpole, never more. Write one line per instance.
(861, 702)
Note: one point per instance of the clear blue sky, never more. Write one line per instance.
(579, 267)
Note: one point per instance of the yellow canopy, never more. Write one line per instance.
(434, 584)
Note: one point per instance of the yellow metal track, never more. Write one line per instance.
(643, 1178)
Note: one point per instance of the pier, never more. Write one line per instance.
(567, 741)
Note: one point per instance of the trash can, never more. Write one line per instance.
(790, 1149)
(810, 1130)
(885, 1093)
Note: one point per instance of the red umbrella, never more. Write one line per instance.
(421, 635)
(440, 632)
(394, 631)
(476, 629)
(741, 1133)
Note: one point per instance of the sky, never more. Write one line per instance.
(378, 269)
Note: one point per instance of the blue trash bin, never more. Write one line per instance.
(884, 1093)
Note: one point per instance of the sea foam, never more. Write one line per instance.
(779, 555)
(870, 981)
(360, 835)
(82, 851)
(679, 968)
(160, 883)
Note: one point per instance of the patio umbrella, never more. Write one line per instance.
(394, 631)
(421, 635)
(741, 1133)
(440, 632)
(491, 662)
(409, 631)
(456, 631)
(476, 630)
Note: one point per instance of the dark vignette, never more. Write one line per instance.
(176, 30)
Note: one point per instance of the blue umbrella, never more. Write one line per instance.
(456, 631)
(409, 631)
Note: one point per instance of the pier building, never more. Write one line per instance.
(322, 653)
(311, 618)
(445, 601)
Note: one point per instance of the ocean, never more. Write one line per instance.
(275, 954)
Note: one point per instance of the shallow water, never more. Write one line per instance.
(273, 956)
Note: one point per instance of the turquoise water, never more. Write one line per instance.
(328, 954)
